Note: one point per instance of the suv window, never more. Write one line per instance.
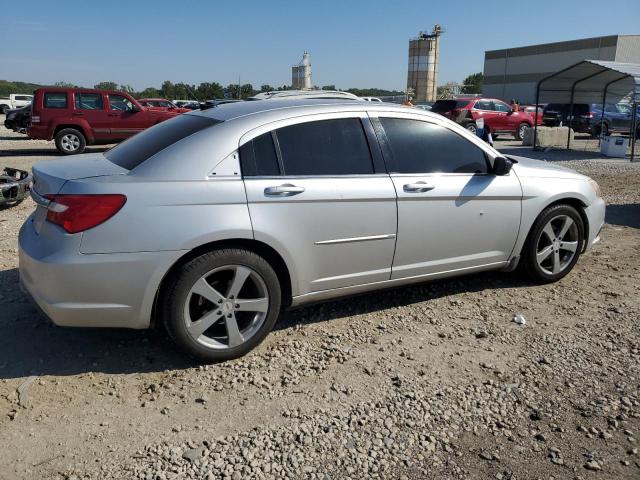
(501, 107)
(483, 105)
(88, 101)
(134, 151)
(55, 100)
(422, 147)
(448, 105)
(120, 103)
(325, 147)
(258, 157)
(23, 97)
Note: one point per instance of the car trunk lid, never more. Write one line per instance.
(50, 176)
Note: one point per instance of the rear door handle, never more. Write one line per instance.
(285, 190)
(418, 187)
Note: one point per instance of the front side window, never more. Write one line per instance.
(483, 105)
(325, 147)
(120, 103)
(501, 107)
(89, 101)
(422, 147)
(55, 100)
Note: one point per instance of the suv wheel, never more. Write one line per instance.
(70, 141)
(4, 109)
(222, 304)
(472, 127)
(522, 129)
(554, 244)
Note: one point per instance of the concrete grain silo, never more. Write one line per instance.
(301, 74)
(424, 57)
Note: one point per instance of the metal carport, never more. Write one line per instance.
(591, 81)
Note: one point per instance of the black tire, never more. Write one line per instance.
(520, 131)
(176, 294)
(472, 127)
(70, 148)
(528, 262)
(4, 109)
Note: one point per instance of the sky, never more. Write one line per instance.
(353, 43)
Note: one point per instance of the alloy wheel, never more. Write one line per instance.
(523, 131)
(226, 307)
(557, 244)
(70, 142)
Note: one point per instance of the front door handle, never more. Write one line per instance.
(418, 187)
(285, 190)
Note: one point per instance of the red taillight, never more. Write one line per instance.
(77, 213)
(588, 115)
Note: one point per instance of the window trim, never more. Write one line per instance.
(388, 155)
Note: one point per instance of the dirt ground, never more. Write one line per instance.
(432, 381)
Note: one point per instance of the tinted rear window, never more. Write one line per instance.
(134, 151)
(55, 100)
(448, 105)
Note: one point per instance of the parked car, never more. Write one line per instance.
(371, 99)
(192, 105)
(77, 117)
(18, 119)
(212, 222)
(14, 101)
(183, 103)
(498, 117)
(531, 110)
(161, 104)
(589, 118)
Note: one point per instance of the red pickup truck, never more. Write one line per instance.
(77, 117)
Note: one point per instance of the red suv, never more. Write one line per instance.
(498, 116)
(77, 117)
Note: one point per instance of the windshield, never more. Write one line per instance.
(139, 148)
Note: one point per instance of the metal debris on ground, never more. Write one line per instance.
(519, 319)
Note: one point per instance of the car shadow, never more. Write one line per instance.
(558, 154)
(626, 215)
(31, 345)
(48, 152)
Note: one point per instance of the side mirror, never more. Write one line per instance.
(502, 165)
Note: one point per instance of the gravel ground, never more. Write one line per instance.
(432, 381)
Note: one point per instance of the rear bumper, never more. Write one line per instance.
(102, 290)
(595, 214)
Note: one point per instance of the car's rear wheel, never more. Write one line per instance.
(70, 141)
(554, 244)
(522, 130)
(222, 304)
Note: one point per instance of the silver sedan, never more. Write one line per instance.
(213, 222)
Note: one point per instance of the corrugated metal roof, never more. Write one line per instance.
(588, 79)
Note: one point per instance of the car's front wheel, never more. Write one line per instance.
(554, 244)
(222, 304)
(522, 130)
(472, 127)
(70, 141)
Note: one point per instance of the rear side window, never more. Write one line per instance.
(448, 105)
(501, 107)
(258, 157)
(134, 151)
(422, 147)
(88, 101)
(55, 100)
(483, 105)
(326, 147)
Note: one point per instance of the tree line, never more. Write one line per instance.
(185, 91)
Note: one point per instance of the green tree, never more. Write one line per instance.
(329, 87)
(106, 86)
(149, 92)
(209, 91)
(232, 91)
(246, 91)
(65, 85)
(265, 88)
(127, 88)
(473, 83)
(167, 90)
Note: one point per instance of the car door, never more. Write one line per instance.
(483, 109)
(90, 107)
(319, 194)
(125, 119)
(502, 118)
(453, 214)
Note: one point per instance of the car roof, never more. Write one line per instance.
(78, 89)
(230, 111)
(153, 99)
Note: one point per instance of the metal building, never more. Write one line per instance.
(424, 55)
(301, 74)
(515, 72)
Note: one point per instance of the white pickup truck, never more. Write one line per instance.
(15, 100)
